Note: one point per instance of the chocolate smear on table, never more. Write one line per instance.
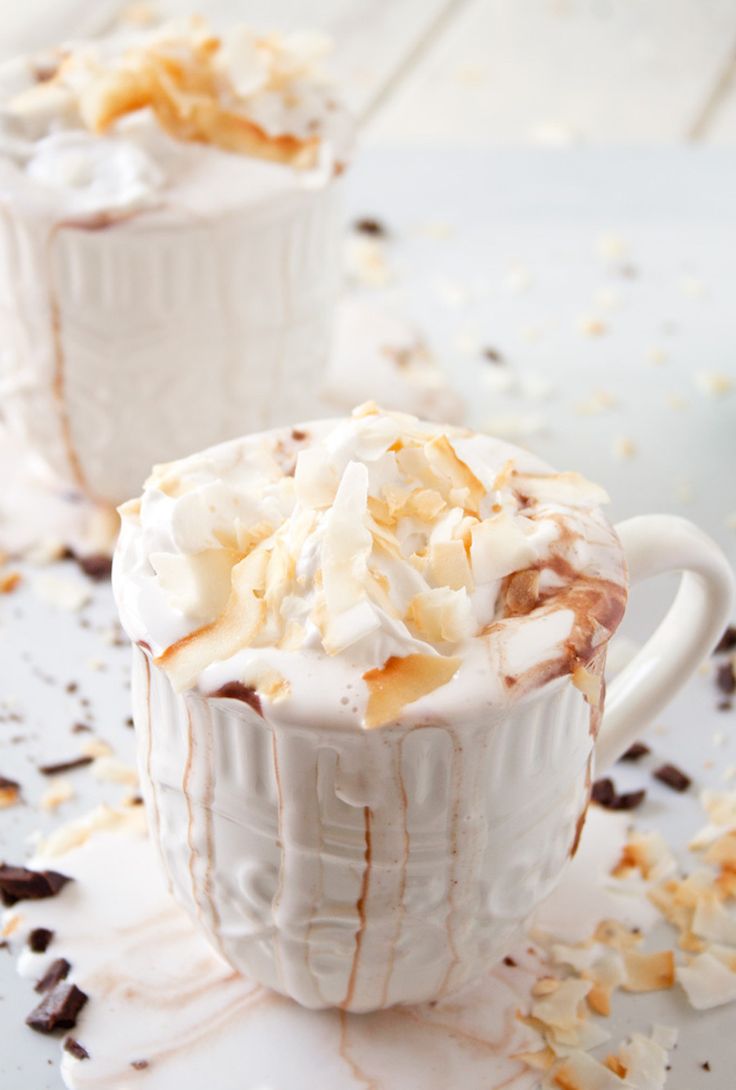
(635, 752)
(22, 884)
(58, 1009)
(235, 690)
(65, 766)
(605, 794)
(73, 1046)
(673, 777)
(726, 678)
(369, 225)
(727, 641)
(493, 355)
(57, 971)
(39, 939)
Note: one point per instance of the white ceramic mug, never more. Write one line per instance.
(361, 869)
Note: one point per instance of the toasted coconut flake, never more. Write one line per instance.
(616, 935)
(9, 793)
(645, 1062)
(236, 627)
(649, 972)
(59, 791)
(442, 615)
(315, 479)
(196, 585)
(77, 832)
(112, 770)
(707, 982)
(401, 681)
(722, 853)
(713, 921)
(647, 853)
(580, 1071)
(562, 1009)
(499, 547)
(448, 565)
(571, 489)
(613, 1063)
(95, 747)
(538, 1061)
(589, 684)
(444, 461)
(9, 581)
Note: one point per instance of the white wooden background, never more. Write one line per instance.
(484, 72)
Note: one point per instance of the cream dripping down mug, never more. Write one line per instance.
(368, 691)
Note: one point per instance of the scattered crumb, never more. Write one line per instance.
(713, 383)
(623, 447)
(9, 793)
(591, 326)
(370, 225)
(607, 299)
(598, 402)
(58, 792)
(611, 247)
(366, 261)
(9, 581)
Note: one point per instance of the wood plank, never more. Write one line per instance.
(563, 71)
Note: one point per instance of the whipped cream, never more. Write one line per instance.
(111, 126)
(373, 568)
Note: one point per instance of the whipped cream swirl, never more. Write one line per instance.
(381, 557)
(107, 126)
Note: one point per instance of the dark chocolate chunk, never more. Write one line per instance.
(77, 1050)
(57, 971)
(129, 722)
(140, 1065)
(606, 795)
(726, 678)
(65, 766)
(298, 435)
(21, 884)
(727, 641)
(235, 690)
(39, 939)
(510, 962)
(705, 1066)
(635, 752)
(369, 225)
(58, 1009)
(724, 706)
(97, 567)
(673, 777)
(492, 355)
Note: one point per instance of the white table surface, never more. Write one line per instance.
(501, 251)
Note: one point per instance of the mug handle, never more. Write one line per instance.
(653, 545)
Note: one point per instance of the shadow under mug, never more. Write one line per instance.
(360, 869)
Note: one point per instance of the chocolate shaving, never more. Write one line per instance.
(78, 1051)
(57, 971)
(369, 225)
(635, 752)
(492, 355)
(298, 435)
(97, 567)
(510, 962)
(705, 1066)
(235, 690)
(726, 678)
(140, 1065)
(672, 777)
(58, 1009)
(605, 794)
(65, 766)
(727, 641)
(39, 939)
(21, 884)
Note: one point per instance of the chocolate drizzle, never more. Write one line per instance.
(361, 906)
